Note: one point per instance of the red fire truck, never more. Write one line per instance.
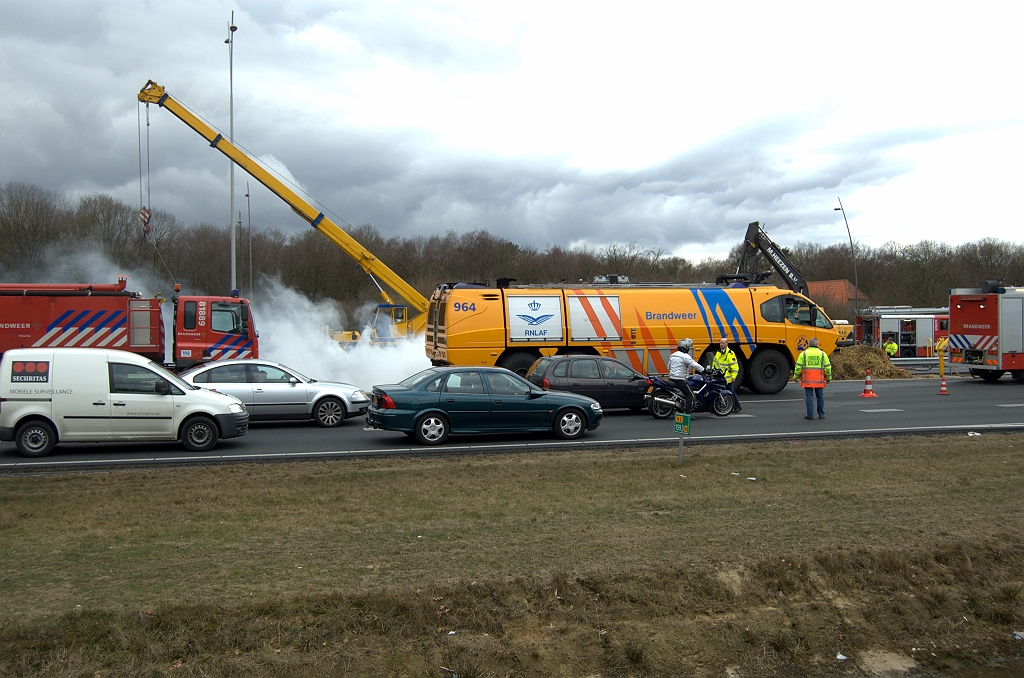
(986, 330)
(110, 316)
(915, 330)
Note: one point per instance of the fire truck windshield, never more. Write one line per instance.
(226, 318)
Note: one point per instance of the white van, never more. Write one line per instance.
(72, 395)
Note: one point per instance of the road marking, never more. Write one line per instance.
(887, 409)
(1013, 405)
(789, 400)
(735, 416)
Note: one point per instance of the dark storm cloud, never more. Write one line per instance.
(70, 76)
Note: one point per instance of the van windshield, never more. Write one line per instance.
(171, 377)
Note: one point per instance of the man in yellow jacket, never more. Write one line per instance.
(814, 370)
(725, 360)
(891, 348)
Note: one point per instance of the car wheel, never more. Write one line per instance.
(571, 424)
(431, 429)
(199, 434)
(769, 372)
(660, 410)
(35, 439)
(723, 404)
(329, 412)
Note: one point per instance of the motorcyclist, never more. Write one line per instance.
(680, 363)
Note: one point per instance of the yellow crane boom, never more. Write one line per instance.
(415, 323)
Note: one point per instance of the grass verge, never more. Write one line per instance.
(894, 552)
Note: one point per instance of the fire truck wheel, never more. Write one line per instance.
(199, 434)
(769, 372)
(518, 362)
(431, 429)
(570, 424)
(35, 439)
(329, 412)
(991, 376)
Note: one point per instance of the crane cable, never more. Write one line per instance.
(146, 203)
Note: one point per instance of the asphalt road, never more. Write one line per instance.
(902, 406)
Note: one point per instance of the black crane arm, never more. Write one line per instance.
(757, 241)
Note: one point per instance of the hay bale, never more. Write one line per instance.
(853, 362)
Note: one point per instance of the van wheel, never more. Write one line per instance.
(329, 412)
(35, 439)
(199, 434)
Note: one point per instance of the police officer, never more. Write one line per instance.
(725, 360)
(891, 348)
(679, 365)
(814, 370)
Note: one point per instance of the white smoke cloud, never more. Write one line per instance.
(294, 331)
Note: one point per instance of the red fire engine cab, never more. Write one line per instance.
(110, 316)
(986, 330)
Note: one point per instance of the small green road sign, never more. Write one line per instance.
(682, 425)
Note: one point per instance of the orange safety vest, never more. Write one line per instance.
(813, 367)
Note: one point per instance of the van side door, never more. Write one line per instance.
(81, 397)
(142, 406)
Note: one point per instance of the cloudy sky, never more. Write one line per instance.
(671, 125)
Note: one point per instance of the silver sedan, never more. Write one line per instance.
(272, 391)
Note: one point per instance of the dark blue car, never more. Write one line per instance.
(442, 400)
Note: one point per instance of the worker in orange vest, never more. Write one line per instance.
(814, 370)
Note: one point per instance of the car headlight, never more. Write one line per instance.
(595, 406)
(236, 408)
(359, 395)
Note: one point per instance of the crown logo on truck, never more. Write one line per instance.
(534, 305)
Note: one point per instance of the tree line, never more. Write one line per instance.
(39, 227)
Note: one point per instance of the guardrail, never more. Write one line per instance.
(915, 362)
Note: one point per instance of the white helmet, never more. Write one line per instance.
(685, 344)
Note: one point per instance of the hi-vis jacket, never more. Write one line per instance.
(727, 362)
(813, 368)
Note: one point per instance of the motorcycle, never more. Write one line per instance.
(710, 394)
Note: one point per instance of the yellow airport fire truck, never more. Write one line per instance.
(639, 324)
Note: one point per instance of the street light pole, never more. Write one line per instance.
(853, 254)
(248, 216)
(231, 137)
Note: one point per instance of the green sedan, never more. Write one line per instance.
(442, 400)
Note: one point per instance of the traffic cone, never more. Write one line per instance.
(868, 391)
(942, 386)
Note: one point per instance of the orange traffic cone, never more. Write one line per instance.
(942, 386)
(868, 391)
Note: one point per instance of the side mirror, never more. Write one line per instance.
(293, 380)
(814, 315)
(536, 394)
(161, 387)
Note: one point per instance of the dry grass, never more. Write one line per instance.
(583, 563)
